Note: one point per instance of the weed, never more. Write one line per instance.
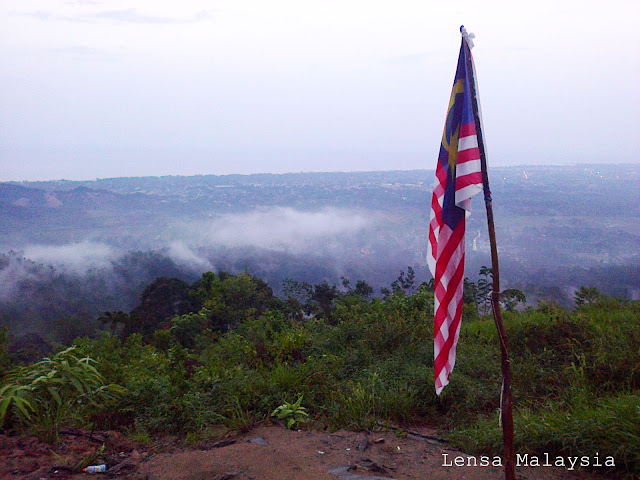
(293, 413)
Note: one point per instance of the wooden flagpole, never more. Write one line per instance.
(507, 404)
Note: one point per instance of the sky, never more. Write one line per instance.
(98, 89)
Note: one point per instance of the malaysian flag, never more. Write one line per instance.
(458, 178)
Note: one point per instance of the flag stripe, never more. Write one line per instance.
(471, 167)
(467, 142)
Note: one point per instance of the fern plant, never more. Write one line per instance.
(293, 413)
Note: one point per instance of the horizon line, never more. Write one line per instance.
(317, 172)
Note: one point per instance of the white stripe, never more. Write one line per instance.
(453, 306)
(444, 331)
(472, 166)
(431, 262)
(468, 142)
(443, 381)
(465, 194)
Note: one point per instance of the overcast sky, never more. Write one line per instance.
(95, 89)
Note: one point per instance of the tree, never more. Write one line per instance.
(484, 289)
(510, 299)
(298, 296)
(161, 300)
(469, 292)
(431, 284)
(231, 299)
(363, 289)
(586, 296)
(404, 283)
(186, 328)
(324, 296)
(115, 320)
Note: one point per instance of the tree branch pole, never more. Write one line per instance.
(507, 404)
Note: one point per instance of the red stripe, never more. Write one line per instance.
(474, 178)
(468, 155)
(467, 129)
(441, 175)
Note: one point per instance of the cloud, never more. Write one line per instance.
(286, 229)
(129, 15)
(410, 59)
(39, 15)
(84, 52)
(14, 269)
(184, 255)
(75, 257)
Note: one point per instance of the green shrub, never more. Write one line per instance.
(49, 392)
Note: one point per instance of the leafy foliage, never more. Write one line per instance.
(293, 413)
(46, 393)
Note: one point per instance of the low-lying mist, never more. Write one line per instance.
(74, 257)
(286, 229)
(40, 283)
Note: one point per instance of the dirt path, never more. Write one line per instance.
(268, 453)
(274, 453)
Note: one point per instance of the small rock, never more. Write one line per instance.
(227, 476)
(126, 465)
(374, 467)
(346, 473)
(363, 445)
(259, 441)
(223, 443)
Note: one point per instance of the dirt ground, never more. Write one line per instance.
(268, 452)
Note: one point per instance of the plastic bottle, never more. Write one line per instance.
(96, 468)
